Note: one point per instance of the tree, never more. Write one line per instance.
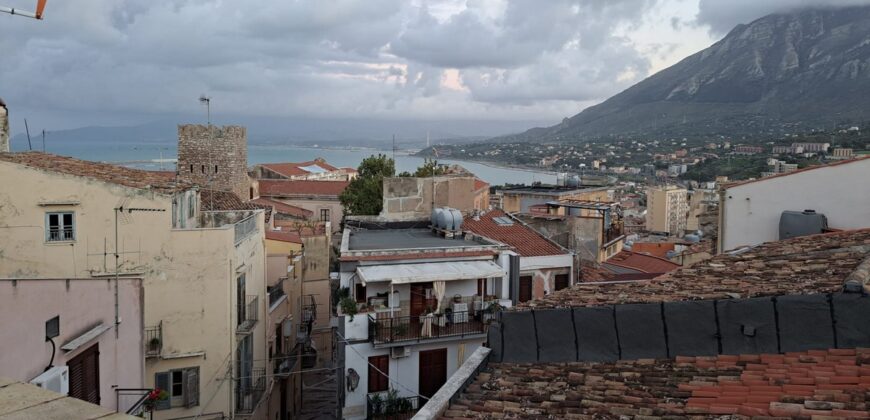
(430, 168)
(365, 194)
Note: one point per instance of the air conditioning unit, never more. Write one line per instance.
(55, 379)
(400, 352)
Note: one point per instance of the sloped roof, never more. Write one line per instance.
(283, 208)
(640, 262)
(297, 168)
(527, 241)
(480, 184)
(163, 182)
(279, 188)
(831, 383)
(25, 401)
(283, 236)
(804, 265)
(214, 200)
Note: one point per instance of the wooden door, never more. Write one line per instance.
(419, 302)
(84, 375)
(433, 371)
(562, 281)
(525, 288)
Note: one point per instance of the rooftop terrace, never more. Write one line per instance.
(387, 239)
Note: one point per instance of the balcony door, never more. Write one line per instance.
(525, 294)
(84, 375)
(422, 297)
(433, 371)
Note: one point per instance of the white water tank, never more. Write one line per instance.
(449, 219)
(436, 216)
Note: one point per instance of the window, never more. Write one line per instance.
(562, 281)
(215, 169)
(525, 289)
(481, 287)
(324, 215)
(379, 382)
(191, 168)
(60, 227)
(360, 293)
(84, 375)
(191, 205)
(182, 385)
(203, 168)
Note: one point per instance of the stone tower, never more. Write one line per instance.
(216, 160)
(4, 127)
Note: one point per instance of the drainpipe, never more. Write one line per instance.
(720, 241)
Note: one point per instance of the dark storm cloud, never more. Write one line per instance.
(722, 16)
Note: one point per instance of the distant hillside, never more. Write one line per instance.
(783, 73)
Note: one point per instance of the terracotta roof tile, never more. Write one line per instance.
(163, 182)
(280, 188)
(303, 229)
(805, 265)
(295, 168)
(283, 236)
(480, 184)
(642, 262)
(213, 200)
(283, 208)
(527, 241)
(703, 387)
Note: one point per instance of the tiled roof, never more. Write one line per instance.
(350, 170)
(641, 262)
(295, 168)
(163, 182)
(805, 265)
(809, 168)
(303, 229)
(277, 188)
(527, 241)
(214, 200)
(283, 208)
(833, 383)
(283, 236)
(480, 184)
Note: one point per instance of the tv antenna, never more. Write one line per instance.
(27, 129)
(40, 6)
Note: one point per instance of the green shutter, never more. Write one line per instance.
(191, 387)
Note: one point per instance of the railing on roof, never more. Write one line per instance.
(245, 228)
(401, 329)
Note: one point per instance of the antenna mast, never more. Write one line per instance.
(27, 129)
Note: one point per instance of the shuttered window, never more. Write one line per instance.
(525, 289)
(562, 281)
(378, 381)
(84, 375)
(181, 386)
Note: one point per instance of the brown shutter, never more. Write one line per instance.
(525, 289)
(562, 281)
(85, 375)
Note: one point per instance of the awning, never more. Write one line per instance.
(424, 272)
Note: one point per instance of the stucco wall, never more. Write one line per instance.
(27, 304)
(4, 129)
(334, 206)
(404, 370)
(188, 274)
(751, 211)
(411, 197)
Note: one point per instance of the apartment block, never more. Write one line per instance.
(203, 272)
(667, 209)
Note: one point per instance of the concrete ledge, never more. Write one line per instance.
(466, 373)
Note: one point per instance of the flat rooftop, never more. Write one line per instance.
(551, 189)
(374, 240)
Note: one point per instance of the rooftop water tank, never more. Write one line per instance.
(436, 217)
(573, 181)
(449, 219)
(801, 223)
(692, 238)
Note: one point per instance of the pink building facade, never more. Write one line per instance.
(78, 315)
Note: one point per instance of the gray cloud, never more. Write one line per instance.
(722, 16)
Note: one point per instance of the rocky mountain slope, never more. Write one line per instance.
(782, 73)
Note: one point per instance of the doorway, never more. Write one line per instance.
(422, 297)
(84, 375)
(433, 371)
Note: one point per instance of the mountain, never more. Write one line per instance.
(274, 130)
(783, 73)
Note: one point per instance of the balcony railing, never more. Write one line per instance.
(245, 228)
(276, 292)
(250, 390)
(154, 340)
(285, 362)
(61, 234)
(133, 401)
(247, 314)
(384, 406)
(421, 328)
(309, 308)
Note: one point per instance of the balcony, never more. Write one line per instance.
(414, 329)
(276, 292)
(247, 314)
(244, 228)
(154, 340)
(134, 401)
(387, 405)
(250, 387)
(283, 363)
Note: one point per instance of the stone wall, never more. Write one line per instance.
(4, 128)
(217, 160)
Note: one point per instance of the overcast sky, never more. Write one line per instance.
(118, 62)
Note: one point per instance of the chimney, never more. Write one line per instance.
(4, 128)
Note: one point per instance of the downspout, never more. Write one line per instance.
(720, 241)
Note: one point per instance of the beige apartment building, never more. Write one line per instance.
(203, 278)
(666, 209)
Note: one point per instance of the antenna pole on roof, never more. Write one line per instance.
(43, 141)
(27, 129)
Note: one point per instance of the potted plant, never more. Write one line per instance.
(376, 402)
(153, 397)
(154, 344)
(348, 307)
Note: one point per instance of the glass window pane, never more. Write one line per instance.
(67, 220)
(53, 220)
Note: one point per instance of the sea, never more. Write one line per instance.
(160, 156)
